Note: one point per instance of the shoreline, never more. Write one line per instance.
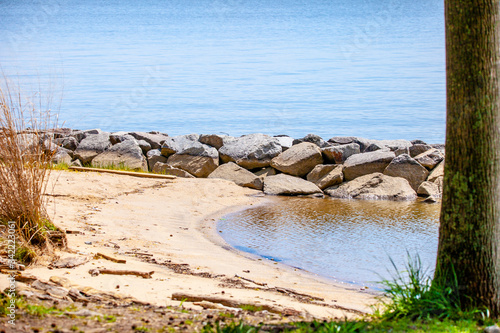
(183, 247)
(218, 240)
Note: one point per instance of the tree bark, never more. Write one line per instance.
(469, 233)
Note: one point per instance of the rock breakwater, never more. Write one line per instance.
(345, 167)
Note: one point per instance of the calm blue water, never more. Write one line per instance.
(371, 68)
(354, 241)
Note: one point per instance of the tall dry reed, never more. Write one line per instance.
(26, 126)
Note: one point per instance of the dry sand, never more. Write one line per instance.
(174, 221)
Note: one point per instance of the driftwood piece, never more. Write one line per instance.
(296, 293)
(126, 173)
(104, 256)
(97, 271)
(250, 280)
(233, 304)
(139, 253)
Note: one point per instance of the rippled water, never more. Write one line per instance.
(348, 240)
(369, 68)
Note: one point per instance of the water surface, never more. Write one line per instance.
(349, 240)
(367, 68)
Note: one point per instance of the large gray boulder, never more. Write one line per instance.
(68, 142)
(233, 172)
(376, 186)
(394, 144)
(198, 166)
(155, 139)
(437, 172)
(263, 173)
(214, 140)
(285, 141)
(418, 149)
(126, 154)
(313, 138)
(339, 154)
(154, 156)
(367, 163)
(62, 156)
(288, 185)
(406, 167)
(188, 145)
(118, 137)
(165, 169)
(429, 189)
(183, 144)
(342, 140)
(326, 175)
(91, 146)
(430, 158)
(80, 135)
(251, 151)
(298, 160)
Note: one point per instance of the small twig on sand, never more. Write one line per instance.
(97, 271)
(104, 256)
(250, 280)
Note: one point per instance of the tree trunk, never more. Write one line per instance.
(470, 216)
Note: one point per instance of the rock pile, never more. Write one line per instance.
(342, 167)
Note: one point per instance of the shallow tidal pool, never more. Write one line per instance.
(352, 241)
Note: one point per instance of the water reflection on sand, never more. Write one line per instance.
(349, 240)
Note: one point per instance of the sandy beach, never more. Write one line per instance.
(168, 226)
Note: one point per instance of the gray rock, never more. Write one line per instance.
(198, 166)
(430, 158)
(165, 169)
(145, 146)
(91, 146)
(288, 185)
(376, 186)
(418, 149)
(80, 135)
(251, 151)
(153, 156)
(437, 172)
(394, 144)
(417, 142)
(367, 163)
(439, 183)
(401, 151)
(429, 189)
(339, 154)
(68, 142)
(155, 139)
(298, 160)
(406, 167)
(285, 141)
(313, 138)
(263, 173)
(213, 140)
(439, 146)
(125, 154)
(374, 146)
(326, 175)
(118, 137)
(187, 145)
(342, 139)
(76, 163)
(62, 156)
(242, 177)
